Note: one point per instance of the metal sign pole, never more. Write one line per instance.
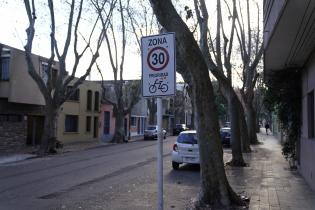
(160, 154)
(159, 80)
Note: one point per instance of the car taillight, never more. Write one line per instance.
(175, 148)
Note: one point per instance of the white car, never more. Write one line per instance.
(185, 149)
(151, 132)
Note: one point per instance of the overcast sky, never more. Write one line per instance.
(14, 22)
(13, 34)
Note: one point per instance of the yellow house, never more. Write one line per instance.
(79, 116)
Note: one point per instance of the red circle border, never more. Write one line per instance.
(148, 58)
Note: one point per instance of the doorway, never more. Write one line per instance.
(35, 128)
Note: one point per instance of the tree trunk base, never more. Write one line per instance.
(237, 203)
(236, 163)
(118, 139)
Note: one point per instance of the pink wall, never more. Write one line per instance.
(108, 108)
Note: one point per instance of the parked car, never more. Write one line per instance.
(179, 128)
(225, 134)
(185, 149)
(151, 132)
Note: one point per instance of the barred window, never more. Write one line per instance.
(89, 100)
(4, 68)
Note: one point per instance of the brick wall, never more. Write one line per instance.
(12, 136)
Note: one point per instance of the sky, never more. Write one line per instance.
(13, 33)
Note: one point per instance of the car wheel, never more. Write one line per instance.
(175, 165)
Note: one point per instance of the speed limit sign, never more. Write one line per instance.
(158, 65)
(158, 58)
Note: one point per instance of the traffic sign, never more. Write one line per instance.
(158, 65)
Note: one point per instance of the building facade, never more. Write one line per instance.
(79, 116)
(134, 123)
(138, 118)
(289, 41)
(22, 104)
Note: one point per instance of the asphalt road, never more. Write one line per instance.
(110, 177)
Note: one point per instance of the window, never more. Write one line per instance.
(75, 96)
(97, 101)
(187, 138)
(106, 122)
(89, 100)
(88, 124)
(71, 123)
(4, 68)
(133, 121)
(310, 114)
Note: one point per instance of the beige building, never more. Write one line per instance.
(21, 104)
(79, 116)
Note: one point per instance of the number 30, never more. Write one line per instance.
(158, 58)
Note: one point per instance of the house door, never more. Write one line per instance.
(35, 127)
(106, 122)
(95, 130)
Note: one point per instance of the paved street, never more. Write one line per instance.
(124, 177)
(96, 175)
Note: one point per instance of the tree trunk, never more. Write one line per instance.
(251, 123)
(192, 125)
(215, 190)
(234, 106)
(236, 144)
(213, 179)
(49, 136)
(244, 134)
(119, 136)
(192, 122)
(257, 123)
(152, 111)
(152, 118)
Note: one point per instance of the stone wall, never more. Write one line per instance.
(12, 136)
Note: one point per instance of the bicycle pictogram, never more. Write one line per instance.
(158, 85)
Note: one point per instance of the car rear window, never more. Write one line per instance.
(151, 128)
(187, 138)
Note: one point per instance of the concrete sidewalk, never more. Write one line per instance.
(269, 181)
